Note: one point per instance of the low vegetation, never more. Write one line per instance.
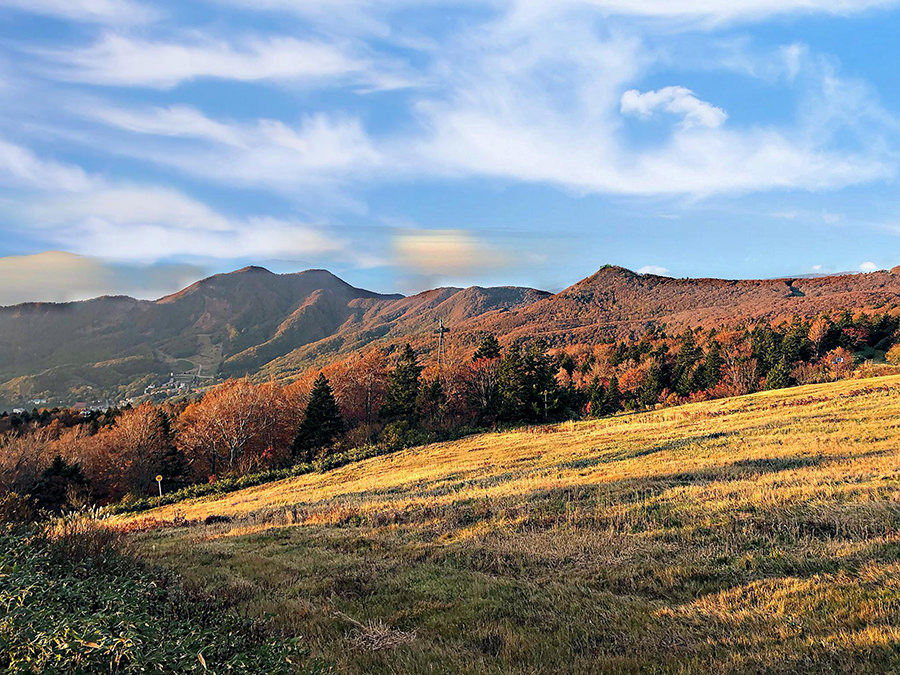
(74, 602)
(750, 534)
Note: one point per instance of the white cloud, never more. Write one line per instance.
(654, 269)
(120, 12)
(676, 100)
(177, 120)
(117, 60)
(152, 224)
(266, 153)
(710, 11)
(501, 119)
(868, 267)
(20, 167)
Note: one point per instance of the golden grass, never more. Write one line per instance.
(759, 533)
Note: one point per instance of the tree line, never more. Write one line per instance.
(62, 459)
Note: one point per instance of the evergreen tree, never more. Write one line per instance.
(544, 400)
(402, 395)
(765, 346)
(779, 376)
(651, 388)
(596, 395)
(57, 484)
(612, 397)
(488, 348)
(172, 464)
(711, 370)
(688, 355)
(322, 422)
(511, 386)
(796, 345)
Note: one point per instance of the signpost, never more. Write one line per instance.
(159, 483)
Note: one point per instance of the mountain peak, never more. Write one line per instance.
(252, 269)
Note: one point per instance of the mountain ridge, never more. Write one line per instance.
(254, 321)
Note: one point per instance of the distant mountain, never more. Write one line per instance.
(227, 325)
(616, 301)
(255, 322)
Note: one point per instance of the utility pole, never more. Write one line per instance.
(442, 329)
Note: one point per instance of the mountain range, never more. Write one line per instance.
(255, 322)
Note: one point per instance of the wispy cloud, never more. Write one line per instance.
(20, 167)
(711, 11)
(118, 12)
(120, 60)
(268, 153)
(151, 224)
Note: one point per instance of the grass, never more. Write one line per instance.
(73, 601)
(756, 534)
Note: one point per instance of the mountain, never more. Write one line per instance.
(616, 301)
(229, 325)
(255, 322)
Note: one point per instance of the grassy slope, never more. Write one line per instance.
(751, 534)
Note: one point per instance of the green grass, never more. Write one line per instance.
(758, 534)
(72, 602)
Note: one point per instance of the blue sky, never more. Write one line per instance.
(405, 144)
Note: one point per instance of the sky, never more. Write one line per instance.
(408, 144)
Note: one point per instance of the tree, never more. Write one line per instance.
(711, 370)
(779, 376)
(402, 395)
(59, 486)
(651, 388)
(612, 397)
(688, 355)
(322, 422)
(512, 388)
(238, 424)
(488, 348)
(482, 387)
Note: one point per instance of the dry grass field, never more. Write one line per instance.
(756, 534)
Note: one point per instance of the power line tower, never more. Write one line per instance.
(441, 331)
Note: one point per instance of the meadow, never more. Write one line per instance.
(752, 534)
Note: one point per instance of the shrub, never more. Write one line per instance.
(73, 603)
(400, 434)
(17, 509)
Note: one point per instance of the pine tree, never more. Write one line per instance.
(779, 376)
(322, 422)
(171, 463)
(402, 395)
(596, 396)
(488, 348)
(688, 355)
(511, 386)
(57, 483)
(711, 370)
(651, 388)
(612, 397)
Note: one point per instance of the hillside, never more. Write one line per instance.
(754, 534)
(616, 301)
(255, 322)
(228, 325)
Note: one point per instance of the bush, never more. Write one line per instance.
(399, 435)
(17, 509)
(73, 603)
